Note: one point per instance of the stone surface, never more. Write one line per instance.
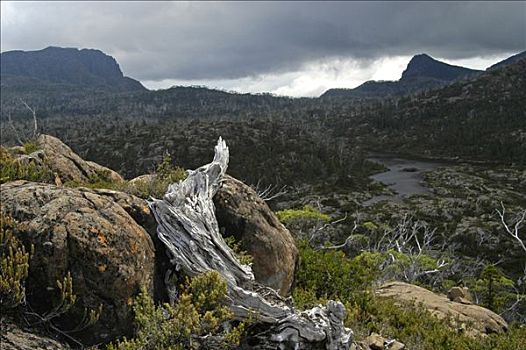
(91, 235)
(68, 165)
(375, 341)
(460, 295)
(13, 337)
(482, 321)
(396, 345)
(244, 215)
(138, 209)
(142, 179)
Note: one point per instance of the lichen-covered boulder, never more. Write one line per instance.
(243, 214)
(90, 235)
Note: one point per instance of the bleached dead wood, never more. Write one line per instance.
(188, 227)
(513, 228)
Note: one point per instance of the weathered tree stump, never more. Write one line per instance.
(188, 227)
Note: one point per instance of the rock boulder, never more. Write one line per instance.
(244, 215)
(92, 236)
(481, 320)
(68, 165)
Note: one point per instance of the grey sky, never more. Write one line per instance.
(245, 44)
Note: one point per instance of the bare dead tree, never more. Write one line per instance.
(34, 133)
(512, 228)
(35, 122)
(413, 239)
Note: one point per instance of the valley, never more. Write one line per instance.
(411, 184)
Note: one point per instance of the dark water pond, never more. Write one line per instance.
(404, 177)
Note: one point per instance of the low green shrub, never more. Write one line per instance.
(99, 179)
(199, 311)
(31, 146)
(12, 169)
(329, 274)
(493, 288)
(166, 174)
(306, 213)
(14, 265)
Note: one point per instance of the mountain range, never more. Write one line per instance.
(69, 67)
(63, 69)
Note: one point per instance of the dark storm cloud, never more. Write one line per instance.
(175, 40)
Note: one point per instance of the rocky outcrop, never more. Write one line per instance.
(243, 214)
(480, 320)
(92, 235)
(67, 164)
(13, 337)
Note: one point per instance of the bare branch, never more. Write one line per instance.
(270, 192)
(516, 223)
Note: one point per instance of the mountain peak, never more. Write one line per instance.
(422, 57)
(425, 66)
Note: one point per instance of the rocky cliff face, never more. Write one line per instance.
(85, 67)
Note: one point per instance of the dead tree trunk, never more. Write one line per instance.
(188, 227)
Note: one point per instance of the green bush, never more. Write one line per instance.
(306, 213)
(165, 175)
(418, 329)
(14, 265)
(99, 179)
(515, 338)
(31, 146)
(199, 311)
(329, 274)
(11, 169)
